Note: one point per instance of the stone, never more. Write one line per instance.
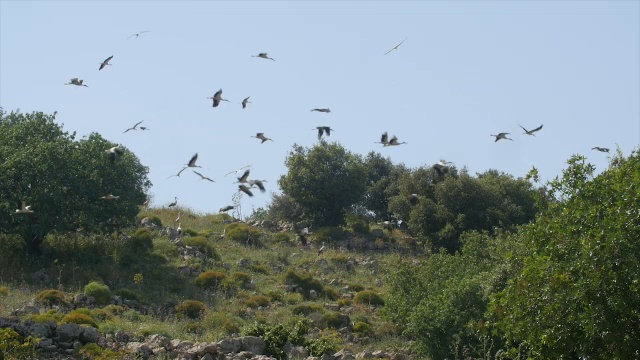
(230, 345)
(89, 335)
(68, 332)
(45, 343)
(379, 354)
(141, 350)
(364, 355)
(244, 355)
(181, 345)
(26, 310)
(313, 294)
(343, 354)
(295, 352)
(158, 340)
(40, 330)
(253, 344)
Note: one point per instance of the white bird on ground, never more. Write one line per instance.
(179, 216)
(396, 47)
(175, 202)
(245, 102)
(110, 197)
(394, 142)
(531, 132)
(321, 250)
(138, 34)
(238, 170)
(263, 56)
(501, 136)
(262, 137)
(24, 209)
(76, 81)
(105, 62)
(134, 127)
(179, 229)
(202, 177)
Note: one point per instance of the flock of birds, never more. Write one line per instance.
(245, 185)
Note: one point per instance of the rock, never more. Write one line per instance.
(379, 354)
(181, 345)
(365, 355)
(198, 350)
(230, 345)
(68, 332)
(253, 344)
(141, 350)
(26, 310)
(45, 343)
(206, 357)
(123, 337)
(343, 354)
(41, 330)
(89, 335)
(397, 356)
(244, 355)
(266, 224)
(334, 307)
(295, 352)
(313, 294)
(158, 340)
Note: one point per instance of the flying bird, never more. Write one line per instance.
(175, 202)
(237, 171)
(384, 139)
(137, 34)
(394, 142)
(110, 197)
(245, 189)
(501, 136)
(76, 81)
(264, 56)
(262, 137)
(226, 208)
(217, 98)
(396, 47)
(202, 177)
(114, 152)
(144, 128)
(24, 209)
(323, 129)
(179, 172)
(245, 102)
(105, 62)
(531, 132)
(192, 162)
(601, 149)
(135, 127)
(258, 183)
(243, 178)
(323, 110)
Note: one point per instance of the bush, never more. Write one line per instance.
(131, 315)
(210, 279)
(356, 287)
(51, 316)
(281, 237)
(190, 308)
(230, 327)
(330, 293)
(94, 351)
(14, 346)
(51, 297)
(203, 245)
(80, 317)
(344, 302)
(277, 335)
(305, 281)
(137, 246)
(335, 320)
(153, 218)
(12, 251)
(257, 301)
(293, 298)
(189, 232)
(127, 294)
(195, 328)
(362, 328)
(99, 292)
(4, 291)
(241, 278)
(321, 346)
(358, 224)
(306, 309)
(260, 268)
(368, 297)
(284, 208)
(328, 235)
(243, 234)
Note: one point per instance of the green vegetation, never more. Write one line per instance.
(100, 292)
(14, 346)
(191, 308)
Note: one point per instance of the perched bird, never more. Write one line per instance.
(321, 250)
(531, 132)
(24, 209)
(323, 110)
(258, 183)
(202, 177)
(245, 189)
(601, 149)
(105, 62)
(114, 152)
(413, 199)
(179, 216)
(146, 202)
(245, 102)
(217, 98)
(76, 81)
(179, 229)
(263, 55)
(396, 47)
(384, 139)
(110, 197)
(175, 202)
(238, 170)
(323, 129)
(441, 167)
(135, 127)
(137, 34)
(394, 142)
(226, 208)
(262, 137)
(501, 136)
(243, 178)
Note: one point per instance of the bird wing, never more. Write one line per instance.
(525, 130)
(244, 176)
(384, 138)
(245, 190)
(197, 173)
(138, 123)
(216, 102)
(538, 128)
(327, 130)
(193, 160)
(127, 130)
(108, 59)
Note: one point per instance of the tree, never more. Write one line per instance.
(577, 292)
(382, 183)
(325, 181)
(63, 179)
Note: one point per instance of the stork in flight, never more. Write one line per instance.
(175, 202)
(323, 129)
(226, 208)
(114, 152)
(245, 190)
(263, 56)
(601, 149)
(245, 102)
(135, 127)
(396, 47)
(202, 177)
(258, 183)
(110, 197)
(217, 98)
(394, 142)
(179, 172)
(384, 139)
(531, 132)
(322, 110)
(105, 62)
(262, 137)
(24, 209)
(76, 82)
(243, 178)
(237, 171)
(501, 136)
(138, 34)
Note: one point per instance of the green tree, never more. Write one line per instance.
(325, 180)
(382, 183)
(63, 179)
(577, 293)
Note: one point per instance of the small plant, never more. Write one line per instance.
(131, 315)
(189, 232)
(79, 316)
(358, 224)
(203, 245)
(190, 308)
(321, 346)
(100, 292)
(329, 235)
(335, 320)
(293, 298)
(4, 291)
(51, 316)
(14, 346)
(330, 293)
(368, 297)
(210, 279)
(257, 301)
(195, 328)
(306, 309)
(140, 244)
(51, 297)
(344, 302)
(356, 287)
(362, 328)
(153, 219)
(95, 352)
(241, 279)
(305, 281)
(230, 327)
(138, 279)
(259, 268)
(127, 294)
(282, 237)
(244, 234)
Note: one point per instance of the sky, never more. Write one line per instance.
(467, 69)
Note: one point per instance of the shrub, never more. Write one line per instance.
(189, 232)
(14, 346)
(241, 279)
(335, 320)
(98, 291)
(260, 268)
(356, 287)
(51, 297)
(321, 346)
(305, 281)
(51, 316)
(284, 208)
(293, 298)
(358, 224)
(275, 295)
(80, 317)
(114, 309)
(230, 327)
(131, 315)
(362, 328)
(281, 237)
(330, 293)
(127, 294)
(329, 235)
(344, 302)
(195, 328)
(257, 301)
(203, 245)
(12, 250)
(306, 309)
(190, 308)
(277, 335)
(368, 297)
(152, 218)
(210, 279)
(137, 246)
(94, 351)
(244, 234)
(4, 291)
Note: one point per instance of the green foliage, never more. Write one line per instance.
(100, 292)
(576, 293)
(358, 224)
(368, 297)
(293, 298)
(210, 279)
(4, 291)
(34, 150)
(127, 294)
(187, 232)
(93, 351)
(328, 235)
(304, 281)
(381, 180)
(51, 297)
(243, 234)
(306, 309)
(325, 180)
(137, 246)
(284, 208)
(52, 316)
(282, 237)
(362, 328)
(334, 320)
(190, 308)
(321, 346)
(242, 279)
(356, 287)
(277, 335)
(256, 301)
(79, 316)
(12, 252)
(14, 346)
(154, 219)
(203, 245)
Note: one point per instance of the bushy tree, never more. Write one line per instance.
(325, 180)
(382, 183)
(578, 293)
(63, 179)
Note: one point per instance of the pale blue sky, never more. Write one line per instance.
(467, 70)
